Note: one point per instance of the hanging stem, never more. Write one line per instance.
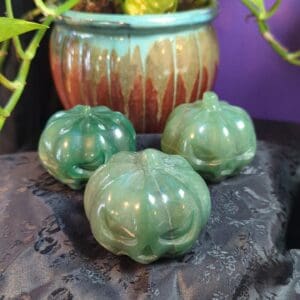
(17, 86)
(44, 8)
(262, 15)
(16, 40)
(3, 52)
(30, 15)
(273, 9)
(10, 85)
(56, 11)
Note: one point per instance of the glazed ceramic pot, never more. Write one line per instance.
(142, 66)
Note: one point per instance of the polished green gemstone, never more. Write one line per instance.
(146, 205)
(142, 7)
(217, 139)
(77, 141)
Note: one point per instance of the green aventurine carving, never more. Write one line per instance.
(146, 205)
(217, 139)
(77, 141)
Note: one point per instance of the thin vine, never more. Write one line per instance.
(17, 85)
(262, 15)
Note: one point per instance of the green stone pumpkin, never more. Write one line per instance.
(217, 139)
(77, 141)
(146, 205)
(142, 7)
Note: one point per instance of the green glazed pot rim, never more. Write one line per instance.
(186, 18)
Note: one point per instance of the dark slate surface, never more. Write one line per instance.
(48, 252)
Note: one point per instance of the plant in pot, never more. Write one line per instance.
(141, 65)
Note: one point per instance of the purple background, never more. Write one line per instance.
(251, 74)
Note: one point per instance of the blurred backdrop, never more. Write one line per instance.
(250, 74)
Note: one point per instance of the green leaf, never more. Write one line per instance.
(10, 27)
